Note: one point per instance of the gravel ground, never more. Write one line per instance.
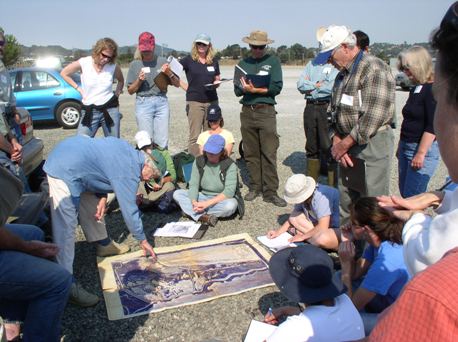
(224, 319)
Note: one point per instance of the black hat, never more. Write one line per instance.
(305, 274)
(214, 113)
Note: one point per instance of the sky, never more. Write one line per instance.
(79, 23)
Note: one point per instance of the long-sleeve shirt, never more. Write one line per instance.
(7, 97)
(267, 65)
(325, 74)
(370, 77)
(210, 183)
(101, 165)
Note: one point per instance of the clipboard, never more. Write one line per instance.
(354, 177)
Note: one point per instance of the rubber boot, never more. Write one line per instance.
(313, 168)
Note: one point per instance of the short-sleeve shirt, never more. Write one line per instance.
(203, 137)
(325, 202)
(387, 273)
(341, 322)
(198, 75)
(148, 87)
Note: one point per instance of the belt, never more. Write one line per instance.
(258, 106)
(318, 102)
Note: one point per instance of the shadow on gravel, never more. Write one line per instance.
(244, 175)
(46, 125)
(296, 161)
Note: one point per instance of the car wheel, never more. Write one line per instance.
(68, 114)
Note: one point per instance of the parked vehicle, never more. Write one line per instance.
(403, 81)
(46, 95)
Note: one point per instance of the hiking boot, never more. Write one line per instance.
(275, 200)
(211, 220)
(81, 297)
(251, 195)
(112, 248)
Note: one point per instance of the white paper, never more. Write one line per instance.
(347, 100)
(180, 229)
(259, 331)
(146, 70)
(175, 66)
(418, 89)
(278, 243)
(327, 70)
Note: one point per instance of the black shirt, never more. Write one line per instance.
(198, 75)
(418, 113)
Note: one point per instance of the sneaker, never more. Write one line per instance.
(112, 248)
(251, 195)
(211, 220)
(81, 297)
(275, 200)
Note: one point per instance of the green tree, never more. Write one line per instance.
(12, 50)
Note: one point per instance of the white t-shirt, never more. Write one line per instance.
(340, 322)
(97, 87)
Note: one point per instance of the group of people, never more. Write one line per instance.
(349, 114)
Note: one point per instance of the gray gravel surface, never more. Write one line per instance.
(225, 319)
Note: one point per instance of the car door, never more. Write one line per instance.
(39, 92)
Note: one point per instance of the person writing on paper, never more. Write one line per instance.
(316, 210)
(418, 153)
(151, 104)
(201, 68)
(305, 275)
(156, 194)
(100, 105)
(210, 195)
(215, 124)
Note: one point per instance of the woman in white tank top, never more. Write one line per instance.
(100, 104)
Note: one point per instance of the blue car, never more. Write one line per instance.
(45, 94)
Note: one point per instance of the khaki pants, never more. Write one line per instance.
(197, 119)
(65, 216)
(260, 145)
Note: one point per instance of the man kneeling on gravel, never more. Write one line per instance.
(81, 171)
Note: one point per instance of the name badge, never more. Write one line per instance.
(327, 70)
(211, 68)
(417, 89)
(347, 100)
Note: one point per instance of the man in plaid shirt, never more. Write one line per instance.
(361, 112)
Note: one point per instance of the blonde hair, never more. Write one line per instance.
(138, 54)
(419, 62)
(105, 44)
(210, 53)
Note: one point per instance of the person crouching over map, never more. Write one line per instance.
(81, 171)
(211, 191)
(316, 209)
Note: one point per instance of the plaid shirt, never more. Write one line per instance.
(376, 107)
(427, 308)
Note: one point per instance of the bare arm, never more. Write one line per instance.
(426, 141)
(69, 70)
(134, 86)
(120, 78)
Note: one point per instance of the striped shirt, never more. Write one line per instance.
(363, 98)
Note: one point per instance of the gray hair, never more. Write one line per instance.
(152, 165)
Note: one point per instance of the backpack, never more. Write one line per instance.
(180, 160)
(224, 165)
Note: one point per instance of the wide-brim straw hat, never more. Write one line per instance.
(298, 188)
(257, 38)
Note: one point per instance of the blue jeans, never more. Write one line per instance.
(413, 182)
(33, 290)
(99, 121)
(153, 116)
(222, 209)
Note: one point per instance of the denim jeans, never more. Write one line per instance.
(33, 290)
(99, 121)
(222, 209)
(153, 114)
(413, 182)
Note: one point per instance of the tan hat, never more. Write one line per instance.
(257, 38)
(298, 188)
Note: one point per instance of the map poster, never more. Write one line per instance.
(183, 275)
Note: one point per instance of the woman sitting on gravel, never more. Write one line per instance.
(211, 193)
(215, 123)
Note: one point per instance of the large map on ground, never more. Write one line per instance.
(183, 275)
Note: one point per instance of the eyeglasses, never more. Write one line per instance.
(201, 44)
(257, 47)
(2, 42)
(106, 56)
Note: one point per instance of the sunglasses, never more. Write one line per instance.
(2, 42)
(257, 47)
(106, 56)
(201, 44)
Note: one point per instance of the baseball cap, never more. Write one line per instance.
(146, 42)
(214, 113)
(329, 39)
(215, 144)
(203, 38)
(142, 139)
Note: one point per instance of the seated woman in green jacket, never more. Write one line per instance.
(156, 194)
(210, 194)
